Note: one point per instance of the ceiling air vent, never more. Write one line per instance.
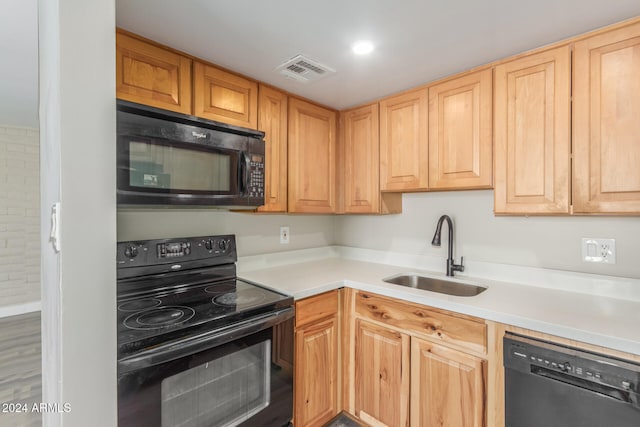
(304, 69)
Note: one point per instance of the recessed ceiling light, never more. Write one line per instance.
(362, 47)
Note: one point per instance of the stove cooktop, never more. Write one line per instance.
(158, 317)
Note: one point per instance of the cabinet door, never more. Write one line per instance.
(272, 120)
(447, 387)
(606, 122)
(532, 134)
(312, 158)
(460, 132)
(224, 97)
(316, 373)
(361, 161)
(404, 147)
(381, 375)
(150, 75)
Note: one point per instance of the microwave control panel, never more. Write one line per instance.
(255, 186)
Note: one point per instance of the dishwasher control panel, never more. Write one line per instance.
(556, 361)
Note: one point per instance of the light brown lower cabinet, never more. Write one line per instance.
(389, 362)
(316, 360)
(381, 375)
(406, 364)
(447, 386)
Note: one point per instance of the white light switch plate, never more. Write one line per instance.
(599, 250)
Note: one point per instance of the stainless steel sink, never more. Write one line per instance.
(436, 285)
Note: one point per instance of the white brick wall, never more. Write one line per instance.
(19, 215)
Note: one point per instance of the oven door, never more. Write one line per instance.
(240, 375)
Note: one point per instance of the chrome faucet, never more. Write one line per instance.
(451, 265)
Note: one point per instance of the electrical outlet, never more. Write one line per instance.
(284, 235)
(599, 250)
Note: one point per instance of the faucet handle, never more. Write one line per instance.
(459, 267)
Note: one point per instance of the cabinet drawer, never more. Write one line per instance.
(317, 307)
(459, 330)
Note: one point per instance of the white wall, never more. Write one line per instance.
(19, 215)
(255, 233)
(77, 129)
(548, 242)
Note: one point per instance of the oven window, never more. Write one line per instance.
(174, 168)
(223, 392)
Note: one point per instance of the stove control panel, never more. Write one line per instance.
(203, 251)
(173, 249)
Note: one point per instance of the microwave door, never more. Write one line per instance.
(166, 158)
(167, 172)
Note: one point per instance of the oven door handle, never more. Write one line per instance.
(204, 341)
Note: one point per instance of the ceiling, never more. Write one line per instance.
(417, 41)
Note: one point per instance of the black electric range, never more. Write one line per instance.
(173, 288)
(196, 344)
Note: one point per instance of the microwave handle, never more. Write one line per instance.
(244, 173)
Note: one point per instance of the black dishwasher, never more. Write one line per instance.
(549, 385)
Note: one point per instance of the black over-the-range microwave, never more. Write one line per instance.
(171, 159)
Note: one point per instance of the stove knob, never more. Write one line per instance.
(208, 244)
(131, 251)
(222, 244)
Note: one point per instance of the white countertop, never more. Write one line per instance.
(599, 310)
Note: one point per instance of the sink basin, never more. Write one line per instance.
(436, 285)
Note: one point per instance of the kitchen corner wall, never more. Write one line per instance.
(547, 242)
(19, 215)
(255, 233)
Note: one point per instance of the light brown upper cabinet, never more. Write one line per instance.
(312, 158)
(360, 151)
(460, 132)
(606, 122)
(404, 152)
(532, 134)
(272, 120)
(224, 97)
(150, 75)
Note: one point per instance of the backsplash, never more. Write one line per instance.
(19, 216)
(544, 242)
(255, 233)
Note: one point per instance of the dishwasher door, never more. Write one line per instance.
(548, 385)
